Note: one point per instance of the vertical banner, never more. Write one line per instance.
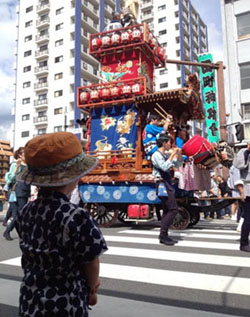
(207, 78)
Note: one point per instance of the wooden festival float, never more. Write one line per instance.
(122, 186)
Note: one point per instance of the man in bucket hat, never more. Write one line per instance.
(60, 242)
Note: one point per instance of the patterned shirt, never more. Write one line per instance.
(56, 238)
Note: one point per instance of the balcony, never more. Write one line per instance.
(89, 24)
(42, 38)
(42, 8)
(43, 53)
(147, 16)
(41, 120)
(89, 72)
(41, 103)
(41, 70)
(90, 9)
(43, 22)
(41, 86)
(146, 5)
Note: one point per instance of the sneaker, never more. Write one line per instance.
(167, 240)
(208, 218)
(234, 217)
(240, 225)
(245, 248)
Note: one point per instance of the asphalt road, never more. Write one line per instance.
(205, 274)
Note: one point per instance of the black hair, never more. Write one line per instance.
(163, 137)
(153, 117)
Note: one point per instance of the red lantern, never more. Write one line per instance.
(105, 41)
(153, 42)
(136, 35)
(125, 37)
(84, 97)
(160, 52)
(115, 39)
(105, 94)
(137, 89)
(115, 92)
(126, 91)
(96, 43)
(94, 95)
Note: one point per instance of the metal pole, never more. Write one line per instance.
(175, 61)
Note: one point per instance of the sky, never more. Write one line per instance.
(208, 10)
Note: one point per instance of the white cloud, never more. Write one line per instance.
(215, 42)
(8, 34)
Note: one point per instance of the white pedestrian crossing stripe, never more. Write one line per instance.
(187, 235)
(198, 281)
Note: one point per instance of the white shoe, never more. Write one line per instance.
(234, 217)
(240, 225)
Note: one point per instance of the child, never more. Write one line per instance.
(60, 242)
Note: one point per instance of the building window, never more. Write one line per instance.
(44, 32)
(41, 131)
(163, 71)
(85, 82)
(178, 81)
(59, 42)
(59, 59)
(58, 76)
(162, 32)
(164, 44)
(85, 17)
(162, 20)
(243, 24)
(25, 117)
(59, 11)
(25, 134)
(59, 26)
(58, 93)
(42, 113)
(58, 111)
(29, 9)
(85, 33)
(26, 84)
(42, 96)
(27, 69)
(43, 48)
(25, 101)
(28, 38)
(163, 7)
(28, 23)
(178, 67)
(85, 65)
(58, 128)
(163, 85)
(245, 75)
(27, 53)
(43, 63)
(246, 111)
(95, 71)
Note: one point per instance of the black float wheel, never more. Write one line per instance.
(194, 217)
(181, 220)
(105, 216)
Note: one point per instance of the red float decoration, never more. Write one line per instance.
(96, 43)
(115, 39)
(160, 52)
(136, 35)
(94, 95)
(84, 97)
(126, 91)
(125, 37)
(115, 92)
(137, 89)
(105, 41)
(105, 94)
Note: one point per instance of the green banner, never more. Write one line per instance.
(207, 78)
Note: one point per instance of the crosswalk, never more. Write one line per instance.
(203, 269)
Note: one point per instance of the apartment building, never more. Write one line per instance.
(52, 60)
(5, 154)
(236, 45)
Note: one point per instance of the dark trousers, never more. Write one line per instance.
(170, 210)
(245, 229)
(8, 214)
(15, 207)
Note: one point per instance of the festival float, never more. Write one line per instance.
(122, 185)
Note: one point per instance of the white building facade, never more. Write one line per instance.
(183, 33)
(52, 61)
(236, 45)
